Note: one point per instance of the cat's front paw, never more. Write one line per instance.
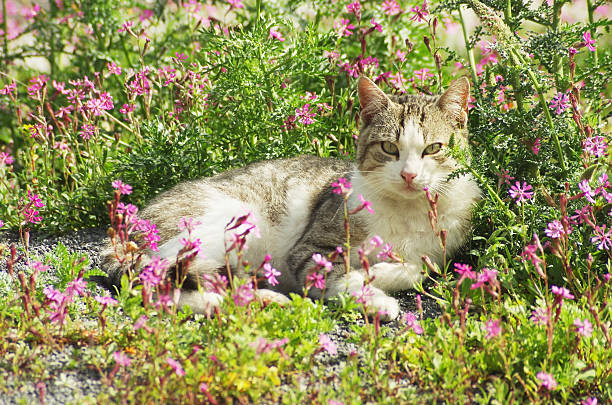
(386, 306)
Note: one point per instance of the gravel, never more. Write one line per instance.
(68, 380)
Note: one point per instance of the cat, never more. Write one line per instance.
(400, 151)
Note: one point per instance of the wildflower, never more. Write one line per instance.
(31, 215)
(76, 286)
(521, 192)
(235, 4)
(365, 204)
(585, 187)
(555, 229)
(585, 328)
(316, 279)
(127, 108)
(397, 80)
(276, 34)
(270, 274)
(561, 292)
(5, 159)
(595, 146)
(105, 300)
(401, 55)
(539, 316)
(390, 7)
(493, 328)
(590, 401)
(122, 359)
(327, 344)
(602, 238)
(140, 322)
(364, 295)
(354, 8)
(154, 272)
(344, 27)
(176, 366)
(487, 276)
(113, 68)
(9, 88)
(419, 13)
(35, 200)
(243, 294)
(465, 270)
(87, 130)
(412, 323)
(376, 25)
(342, 186)
(126, 26)
(560, 102)
(386, 252)
(304, 115)
(53, 294)
(122, 187)
(547, 380)
(422, 74)
(535, 148)
(188, 223)
(1, 223)
(64, 112)
(588, 41)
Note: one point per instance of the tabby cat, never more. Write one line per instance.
(400, 151)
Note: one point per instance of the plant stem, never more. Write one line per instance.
(470, 51)
(591, 20)
(5, 35)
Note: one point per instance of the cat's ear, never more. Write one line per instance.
(371, 99)
(455, 100)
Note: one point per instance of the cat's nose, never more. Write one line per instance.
(408, 177)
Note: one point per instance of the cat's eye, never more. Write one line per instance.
(389, 148)
(432, 149)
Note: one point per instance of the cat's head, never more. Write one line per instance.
(402, 142)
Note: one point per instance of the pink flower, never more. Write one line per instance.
(547, 380)
(376, 25)
(270, 274)
(122, 359)
(304, 115)
(10, 88)
(344, 27)
(487, 276)
(588, 41)
(366, 204)
(539, 316)
(188, 223)
(342, 186)
(235, 4)
(535, 148)
(504, 175)
(31, 215)
(585, 187)
(105, 300)
(422, 74)
(493, 328)
(585, 328)
(555, 229)
(521, 192)
(126, 26)
(154, 272)
(5, 159)
(602, 238)
(327, 344)
(561, 293)
(412, 323)
(595, 146)
(87, 130)
(122, 187)
(76, 286)
(243, 294)
(364, 295)
(1, 223)
(276, 34)
(465, 270)
(397, 80)
(419, 13)
(127, 108)
(354, 8)
(113, 68)
(401, 55)
(35, 200)
(316, 279)
(390, 7)
(176, 366)
(560, 102)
